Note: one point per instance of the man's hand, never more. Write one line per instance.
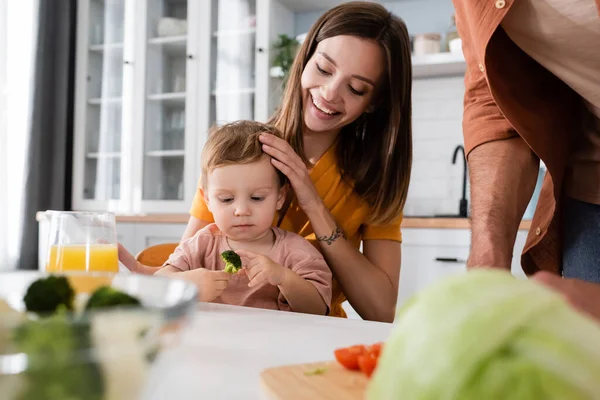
(260, 268)
(210, 283)
(585, 296)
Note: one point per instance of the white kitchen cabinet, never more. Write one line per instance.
(147, 235)
(429, 255)
(152, 77)
(126, 235)
(135, 112)
(422, 250)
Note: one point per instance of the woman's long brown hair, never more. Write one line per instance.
(375, 151)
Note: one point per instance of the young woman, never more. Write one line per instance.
(347, 152)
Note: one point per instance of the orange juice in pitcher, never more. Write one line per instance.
(82, 241)
(96, 257)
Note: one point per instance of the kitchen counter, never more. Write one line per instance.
(447, 223)
(408, 222)
(223, 351)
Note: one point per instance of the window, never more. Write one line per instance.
(18, 32)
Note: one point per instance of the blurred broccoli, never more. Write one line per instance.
(45, 295)
(233, 262)
(57, 363)
(107, 296)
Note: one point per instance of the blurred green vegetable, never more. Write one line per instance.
(57, 364)
(486, 335)
(46, 295)
(107, 296)
(233, 262)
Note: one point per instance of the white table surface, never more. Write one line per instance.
(224, 349)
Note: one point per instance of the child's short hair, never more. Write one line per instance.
(236, 143)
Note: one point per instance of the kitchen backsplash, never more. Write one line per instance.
(436, 183)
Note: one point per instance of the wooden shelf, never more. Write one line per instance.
(439, 64)
(447, 223)
(426, 66)
(407, 222)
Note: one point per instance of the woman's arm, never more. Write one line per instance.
(194, 225)
(369, 280)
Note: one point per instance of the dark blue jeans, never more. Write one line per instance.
(581, 240)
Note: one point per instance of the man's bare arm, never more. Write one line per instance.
(503, 175)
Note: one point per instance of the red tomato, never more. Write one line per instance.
(367, 363)
(348, 356)
(375, 349)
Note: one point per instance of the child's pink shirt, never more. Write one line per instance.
(203, 250)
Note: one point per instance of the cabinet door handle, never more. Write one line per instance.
(190, 56)
(450, 260)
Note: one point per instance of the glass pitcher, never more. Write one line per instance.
(82, 241)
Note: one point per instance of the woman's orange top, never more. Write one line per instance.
(348, 209)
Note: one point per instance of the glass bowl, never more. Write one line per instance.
(100, 354)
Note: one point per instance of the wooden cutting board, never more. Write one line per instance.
(295, 382)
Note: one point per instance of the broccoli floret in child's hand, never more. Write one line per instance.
(45, 295)
(107, 296)
(233, 262)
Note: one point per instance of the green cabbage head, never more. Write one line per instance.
(485, 335)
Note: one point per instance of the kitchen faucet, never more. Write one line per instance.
(463, 205)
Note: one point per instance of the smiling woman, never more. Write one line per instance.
(332, 97)
(346, 151)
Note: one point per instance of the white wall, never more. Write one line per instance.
(436, 184)
(420, 16)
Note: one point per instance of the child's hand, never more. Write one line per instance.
(127, 259)
(210, 283)
(261, 268)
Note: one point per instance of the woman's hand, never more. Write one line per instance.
(585, 296)
(287, 161)
(260, 268)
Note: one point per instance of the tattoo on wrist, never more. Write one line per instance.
(338, 233)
